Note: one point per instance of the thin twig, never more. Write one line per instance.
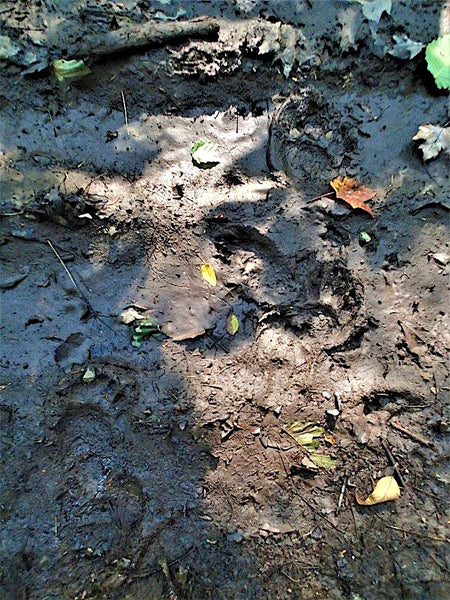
(394, 463)
(85, 189)
(64, 266)
(145, 574)
(319, 197)
(303, 499)
(12, 214)
(77, 287)
(125, 113)
(290, 578)
(341, 495)
(411, 434)
(417, 533)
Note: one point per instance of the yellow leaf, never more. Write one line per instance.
(209, 274)
(232, 324)
(385, 489)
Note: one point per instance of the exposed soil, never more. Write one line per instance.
(176, 451)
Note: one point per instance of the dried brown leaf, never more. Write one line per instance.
(355, 194)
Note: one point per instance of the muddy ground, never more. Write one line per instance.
(176, 451)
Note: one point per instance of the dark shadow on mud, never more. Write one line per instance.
(103, 479)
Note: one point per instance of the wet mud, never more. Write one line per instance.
(165, 471)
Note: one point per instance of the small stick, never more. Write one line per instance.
(85, 190)
(319, 197)
(65, 268)
(12, 214)
(165, 569)
(330, 523)
(411, 434)
(77, 287)
(394, 463)
(290, 578)
(341, 495)
(419, 534)
(125, 113)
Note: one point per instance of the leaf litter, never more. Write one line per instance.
(373, 9)
(146, 328)
(70, 70)
(129, 315)
(316, 438)
(404, 47)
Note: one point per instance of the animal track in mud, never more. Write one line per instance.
(318, 299)
(100, 502)
(392, 400)
(107, 491)
(300, 142)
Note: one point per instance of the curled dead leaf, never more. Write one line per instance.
(353, 193)
(209, 274)
(386, 489)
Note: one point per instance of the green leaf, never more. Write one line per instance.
(232, 324)
(438, 60)
(305, 426)
(149, 322)
(89, 375)
(205, 154)
(146, 327)
(196, 146)
(365, 237)
(70, 69)
(323, 460)
(304, 433)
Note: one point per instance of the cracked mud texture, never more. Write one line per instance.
(176, 451)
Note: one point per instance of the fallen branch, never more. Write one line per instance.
(139, 36)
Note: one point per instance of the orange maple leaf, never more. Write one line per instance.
(355, 194)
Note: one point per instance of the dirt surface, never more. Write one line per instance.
(168, 473)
